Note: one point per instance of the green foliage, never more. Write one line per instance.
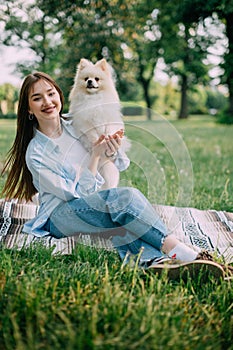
(197, 101)
(187, 62)
(131, 35)
(166, 98)
(8, 116)
(196, 10)
(215, 100)
(225, 117)
(8, 97)
(26, 25)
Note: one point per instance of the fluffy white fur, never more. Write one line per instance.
(96, 110)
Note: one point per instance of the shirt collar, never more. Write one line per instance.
(48, 142)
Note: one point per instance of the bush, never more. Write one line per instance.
(197, 101)
(216, 100)
(132, 110)
(225, 117)
(8, 116)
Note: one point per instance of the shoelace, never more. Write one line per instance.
(204, 255)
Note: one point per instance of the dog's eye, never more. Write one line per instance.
(86, 79)
(97, 79)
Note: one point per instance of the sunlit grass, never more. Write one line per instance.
(155, 170)
(209, 146)
(87, 301)
(7, 134)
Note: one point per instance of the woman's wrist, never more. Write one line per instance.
(93, 163)
(95, 156)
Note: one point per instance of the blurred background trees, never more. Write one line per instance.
(186, 43)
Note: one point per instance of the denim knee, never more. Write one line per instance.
(124, 198)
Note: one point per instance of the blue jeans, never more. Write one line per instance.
(123, 214)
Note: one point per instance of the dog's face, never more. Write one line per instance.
(92, 78)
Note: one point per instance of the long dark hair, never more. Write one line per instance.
(19, 179)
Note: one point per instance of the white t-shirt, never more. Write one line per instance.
(72, 150)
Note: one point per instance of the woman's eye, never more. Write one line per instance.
(97, 79)
(36, 99)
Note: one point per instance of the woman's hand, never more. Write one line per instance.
(99, 146)
(107, 146)
(113, 144)
(104, 146)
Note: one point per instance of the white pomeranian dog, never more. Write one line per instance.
(96, 110)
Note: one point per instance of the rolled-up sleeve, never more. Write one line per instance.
(63, 184)
(122, 162)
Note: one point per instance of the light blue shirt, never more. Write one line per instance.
(55, 180)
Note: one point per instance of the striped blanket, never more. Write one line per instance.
(208, 229)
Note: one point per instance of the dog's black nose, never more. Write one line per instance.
(89, 83)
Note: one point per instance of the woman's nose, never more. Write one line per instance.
(46, 100)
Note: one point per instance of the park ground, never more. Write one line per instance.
(88, 300)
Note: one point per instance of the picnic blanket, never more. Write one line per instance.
(207, 229)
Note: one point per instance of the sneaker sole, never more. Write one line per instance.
(193, 269)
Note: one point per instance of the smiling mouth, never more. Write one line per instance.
(48, 110)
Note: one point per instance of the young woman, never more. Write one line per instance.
(47, 158)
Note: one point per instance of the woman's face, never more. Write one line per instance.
(44, 101)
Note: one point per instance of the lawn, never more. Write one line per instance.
(88, 300)
(7, 134)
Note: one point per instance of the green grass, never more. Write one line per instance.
(169, 176)
(88, 300)
(7, 134)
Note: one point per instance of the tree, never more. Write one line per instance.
(190, 67)
(89, 29)
(131, 35)
(122, 32)
(142, 42)
(186, 55)
(193, 10)
(26, 25)
(144, 25)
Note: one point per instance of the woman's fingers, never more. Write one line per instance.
(100, 139)
(119, 133)
(113, 143)
(109, 145)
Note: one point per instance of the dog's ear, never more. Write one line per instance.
(102, 64)
(83, 63)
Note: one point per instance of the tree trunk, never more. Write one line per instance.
(145, 84)
(184, 101)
